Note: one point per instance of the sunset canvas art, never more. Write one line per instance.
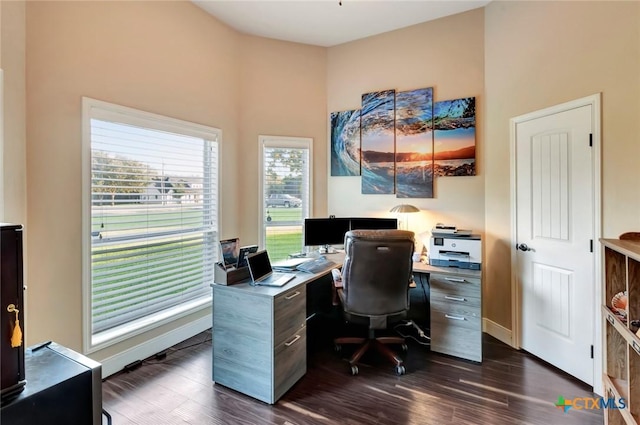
(454, 149)
(414, 143)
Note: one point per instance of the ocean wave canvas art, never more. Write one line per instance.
(454, 149)
(378, 142)
(414, 143)
(345, 143)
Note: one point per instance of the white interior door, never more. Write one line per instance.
(555, 238)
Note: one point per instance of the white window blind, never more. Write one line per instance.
(286, 182)
(154, 215)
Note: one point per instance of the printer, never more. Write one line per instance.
(452, 250)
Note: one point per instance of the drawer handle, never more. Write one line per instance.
(635, 346)
(448, 297)
(455, 279)
(295, 294)
(448, 316)
(290, 343)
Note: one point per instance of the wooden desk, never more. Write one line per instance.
(260, 334)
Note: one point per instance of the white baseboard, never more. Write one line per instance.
(155, 345)
(497, 331)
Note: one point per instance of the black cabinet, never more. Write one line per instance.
(63, 388)
(12, 377)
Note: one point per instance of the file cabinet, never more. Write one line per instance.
(456, 312)
(259, 339)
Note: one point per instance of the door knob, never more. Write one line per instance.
(523, 247)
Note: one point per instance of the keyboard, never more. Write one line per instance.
(316, 265)
(277, 279)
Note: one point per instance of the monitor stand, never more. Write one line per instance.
(327, 249)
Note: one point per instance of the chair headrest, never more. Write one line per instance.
(382, 234)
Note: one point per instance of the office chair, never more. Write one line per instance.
(375, 289)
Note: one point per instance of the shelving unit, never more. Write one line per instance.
(621, 366)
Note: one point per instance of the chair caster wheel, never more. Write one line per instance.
(404, 348)
(400, 370)
(354, 370)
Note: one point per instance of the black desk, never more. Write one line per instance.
(63, 388)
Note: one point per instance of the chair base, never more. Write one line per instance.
(380, 344)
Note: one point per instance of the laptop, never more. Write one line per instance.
(262, 273)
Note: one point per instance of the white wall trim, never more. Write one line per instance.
(497, 331)
(117, 362)
(516, 297)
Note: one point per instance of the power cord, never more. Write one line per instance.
(424, 339)
(162, 355)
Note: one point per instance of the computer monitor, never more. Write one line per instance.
(369, 223)
(325, 231)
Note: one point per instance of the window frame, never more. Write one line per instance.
(96, 109)
(265, 141)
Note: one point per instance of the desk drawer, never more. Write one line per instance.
(456, 341)
(453, 300)
(290, 362)
(454, 285)
(455, 316)
(469, 311)
(290, 313)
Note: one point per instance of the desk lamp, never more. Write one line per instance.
(404, 209)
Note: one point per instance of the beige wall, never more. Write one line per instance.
(283, 93)
(169, 58)
(448, 55)
(13, 207)
(172, 58)
(539, 54)
(157, 57)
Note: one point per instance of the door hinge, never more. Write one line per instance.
(591, 245)
(590, 139)
(592, 351)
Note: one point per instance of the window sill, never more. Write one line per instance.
(121, 333)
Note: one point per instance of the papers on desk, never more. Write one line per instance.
(290, 264)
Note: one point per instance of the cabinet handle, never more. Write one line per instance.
(448, 297)
(455, 279)
(290, 343)
(295, 294)
(448, 316)
(635, 346)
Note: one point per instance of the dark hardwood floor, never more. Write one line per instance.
(509, 387)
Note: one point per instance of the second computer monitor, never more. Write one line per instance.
(368, 223)
(325, 231)
(330, 231)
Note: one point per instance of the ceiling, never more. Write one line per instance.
(327, 22)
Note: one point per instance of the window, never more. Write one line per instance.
(285, 164)
(151, 220)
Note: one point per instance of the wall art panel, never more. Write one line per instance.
(377, 142)
(454, 123)
(414, 143)
(345, 143)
